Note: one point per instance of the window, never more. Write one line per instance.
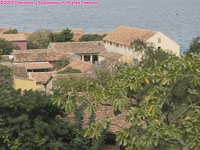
(110, 43)
(117, 45)
(87, 58)
(159, 47)
(159, 40)
(94, 59)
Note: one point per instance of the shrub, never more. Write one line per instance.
(38, 40)
(11, 31)
(6, 47)
(64, 36)
(91, 37)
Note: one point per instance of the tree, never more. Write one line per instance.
(77, 85)
(6, 47)
(11, 31)
(6, 79)
(91, 37)
(156, 117)
(150, 54)
(61, 64)
(30, 122)
(39, 39)
(64, 36)
(194, 46)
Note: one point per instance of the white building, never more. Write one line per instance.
(120, 41)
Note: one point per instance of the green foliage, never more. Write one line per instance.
(91, 37)
(69, 70)
(6, 79)
(73, 83)
(194, 46)
(64, 36)
(156, 114)
(6, 47)
(150, 54)
(29, 122)
(11, 31)
(80, 142)
(38, 40)
(61, 64)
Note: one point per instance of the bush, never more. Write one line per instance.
(64, 36)
(6, 47)
(6, 80)
(11, 31)
(29, 122)
(91, 37)
(38, 40)
(61, 64)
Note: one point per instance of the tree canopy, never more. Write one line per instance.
(150, 54)
(6, 47)
(156, 115)
(64, 36)
(38, 40)
(194, 46)
(6, 79)
(30, 122)
(11, 31)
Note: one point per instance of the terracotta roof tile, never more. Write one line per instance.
(13, 37)
(18, 71)
(99, 33)
(39, 56)
(78, 64)
(77, 34)
(126, 35)
(110, 57)
(41, 77)
(6, 58)
(93, 47)
(114, 56)
(36, 65)
(104, 53)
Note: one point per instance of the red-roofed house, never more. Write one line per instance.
(89, 51)
(121, 39)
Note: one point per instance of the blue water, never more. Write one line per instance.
(178, 19)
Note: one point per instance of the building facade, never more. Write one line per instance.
(122, 38)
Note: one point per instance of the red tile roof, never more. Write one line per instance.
(93, 47)
(126, 35)
(78, 64)
(36, 65)
(13, 37)
(39, 55)
(77, 34)
(17, 71)
(41, 77)
(104, 53)
(6, 58)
